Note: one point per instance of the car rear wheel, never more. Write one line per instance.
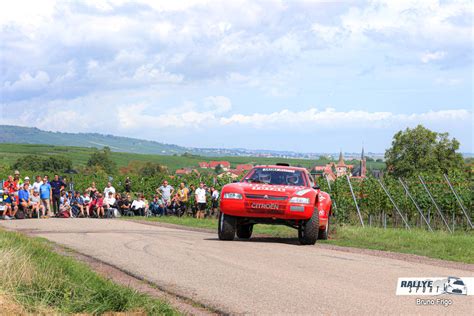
(226, 229)
(244, 231)
(323, 233)
(308, 231)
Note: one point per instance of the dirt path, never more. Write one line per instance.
(261, 276)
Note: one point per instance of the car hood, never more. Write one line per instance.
(266, 189)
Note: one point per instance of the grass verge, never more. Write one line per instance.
(42, 281)
(438, 245)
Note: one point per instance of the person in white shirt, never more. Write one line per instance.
(109, 204)
(138, 206)
(109, 188)
(214, 201)
(200, 195)
(36, 186)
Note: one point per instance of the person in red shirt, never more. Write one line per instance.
(100, 206)
(10, 187)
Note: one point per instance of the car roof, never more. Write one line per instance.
(282, 167)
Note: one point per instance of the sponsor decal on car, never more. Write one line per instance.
(266, 206)
(274, 188)
(279, 170)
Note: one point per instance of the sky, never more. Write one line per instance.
(307, 76)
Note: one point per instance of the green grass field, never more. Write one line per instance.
(439, 245)
(9, 153)
(44, 282)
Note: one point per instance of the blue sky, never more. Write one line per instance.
(311, 76)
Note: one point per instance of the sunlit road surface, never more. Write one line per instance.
(263, 276)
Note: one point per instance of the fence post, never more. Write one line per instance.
(330, 191)
(434, 203)
(414, 203)
(458, 200)
(453, 221)
(355, 201)
(394, 204)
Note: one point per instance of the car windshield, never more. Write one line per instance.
(276, 176)
(459, 282)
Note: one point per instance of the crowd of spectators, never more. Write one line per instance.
(55, 198)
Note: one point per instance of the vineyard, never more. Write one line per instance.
(375, 207)
(411, 209)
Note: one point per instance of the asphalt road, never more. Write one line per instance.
(258, 277)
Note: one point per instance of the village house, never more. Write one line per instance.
(333, 171)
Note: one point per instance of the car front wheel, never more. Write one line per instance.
(308, 231)
(244, 231)
(226, 229)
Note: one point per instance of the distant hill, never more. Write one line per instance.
(32, 135)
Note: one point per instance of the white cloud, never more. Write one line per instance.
(428, 57)
(330, 118)
(218, 104)
(147, 73)
(28, 82)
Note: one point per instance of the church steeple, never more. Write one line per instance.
(341, 163)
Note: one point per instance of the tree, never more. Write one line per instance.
(218, 169)
(151, 169)
(29, 162)
(422, 150)
(38, 163)
(57, 163)
(101, 159)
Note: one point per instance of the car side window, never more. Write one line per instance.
(311, 180)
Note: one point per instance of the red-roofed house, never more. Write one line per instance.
(244, 167)
(183, 171)
(224, 164)
(203, 165)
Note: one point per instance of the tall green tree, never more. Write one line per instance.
(422, 150)
(38, 163)
(101, 159)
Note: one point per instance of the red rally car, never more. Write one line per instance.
(277, 194)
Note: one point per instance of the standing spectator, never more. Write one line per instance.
(24, 200)
(11, 186)
(214, 201)
(192, 204)
(128, 185)
(92, 190)
(165, 192)
(138, 206)
(36, 206)
(17, 180)
(46, 194)
(200, 195)
(110, 204)
(36, 186)
(10, 189)
(57, 186)
(183, 198)
(27, 181)
(109, 188)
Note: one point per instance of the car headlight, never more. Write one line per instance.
(302, 192)
(299, 200)
(234, 196)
